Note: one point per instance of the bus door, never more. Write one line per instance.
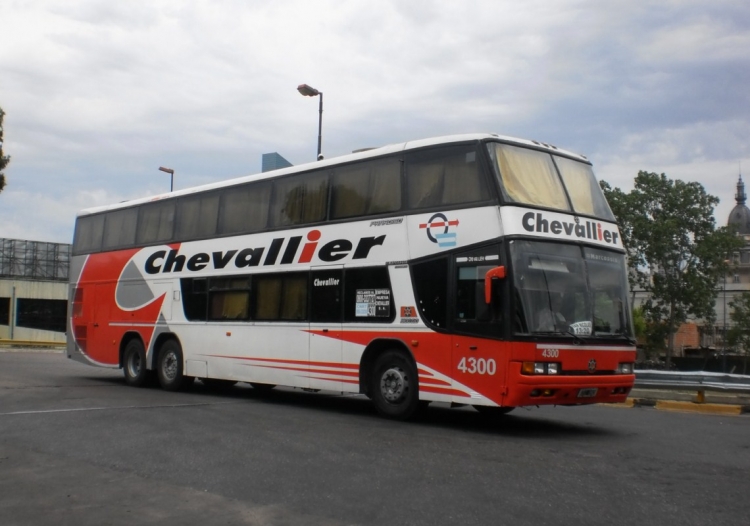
(326, 311)
(479, 356)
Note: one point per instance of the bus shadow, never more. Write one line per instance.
(520, 423)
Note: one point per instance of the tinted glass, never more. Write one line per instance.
(528, 176)
(444, 177)
(119, 228)
(245, 208)
(197, 217)
(366, 188)
(88, 234)
(327, 293)
(300, 200)
(156, 222)
(367, 295)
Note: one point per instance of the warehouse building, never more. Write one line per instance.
(33, 290)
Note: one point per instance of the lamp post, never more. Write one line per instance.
(171, 176)
(309, 91)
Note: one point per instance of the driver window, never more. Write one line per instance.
(471, 312)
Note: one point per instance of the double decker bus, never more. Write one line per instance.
(475, 270)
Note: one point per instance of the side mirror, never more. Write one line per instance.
(497, 273)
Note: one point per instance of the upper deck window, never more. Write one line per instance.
(583, 189)
(366, 189)
(299, 200)
(538, 178)
(529, 176)
(444, 177)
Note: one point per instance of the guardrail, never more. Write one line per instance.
(693, 381)
(30, 343)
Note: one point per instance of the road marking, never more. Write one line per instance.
(73, 410)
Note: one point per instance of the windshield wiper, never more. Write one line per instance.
(578, 340)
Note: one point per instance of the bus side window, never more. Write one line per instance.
(367, 188)
(280, 297)
(88, 234)
(155, 222)
(447, 176)
(326, 296)
(197, 217)
(244, 208)
(471, 304)
(300, 200)
(368, 296)
(229, 298)
(119, 228)
(431, 289)
(194, 298)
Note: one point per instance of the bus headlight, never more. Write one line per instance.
(625, 368)
(534, 368)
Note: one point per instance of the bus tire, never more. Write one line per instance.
(492, 411)
(134, 364)
(393, 387)
(169, 367)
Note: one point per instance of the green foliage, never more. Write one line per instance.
(675, 252)
(4, 160)
(738, 336)
(639, 323)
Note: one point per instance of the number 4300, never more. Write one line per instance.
(477, 366)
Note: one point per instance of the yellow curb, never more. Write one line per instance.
(692, 407)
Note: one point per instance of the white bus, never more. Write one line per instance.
(473, 269)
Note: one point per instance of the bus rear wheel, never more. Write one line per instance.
(134, 364)
(394, 387)
(169, 367)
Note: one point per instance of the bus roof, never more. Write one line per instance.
(333, 161)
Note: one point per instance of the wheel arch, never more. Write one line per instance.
(374, 349)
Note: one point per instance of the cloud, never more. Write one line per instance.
(99, 94)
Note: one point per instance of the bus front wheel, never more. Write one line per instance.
(394, 388)
(134, 364)
(169, 367)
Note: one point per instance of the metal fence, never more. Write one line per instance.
(34, 260)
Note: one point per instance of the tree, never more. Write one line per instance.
(675, 252)
(4, 160)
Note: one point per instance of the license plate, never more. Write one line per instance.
(588, 392)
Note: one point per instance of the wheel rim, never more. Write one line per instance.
(394, 384)
(134, 365)
(170, 366)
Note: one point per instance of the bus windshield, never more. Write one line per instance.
(567, 289)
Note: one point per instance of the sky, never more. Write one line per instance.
(99, 94)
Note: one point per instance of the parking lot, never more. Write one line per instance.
(77, 446)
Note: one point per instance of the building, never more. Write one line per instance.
(273, 161)
(33, 290)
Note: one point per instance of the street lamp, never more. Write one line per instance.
(309, 91)
(171, 176)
